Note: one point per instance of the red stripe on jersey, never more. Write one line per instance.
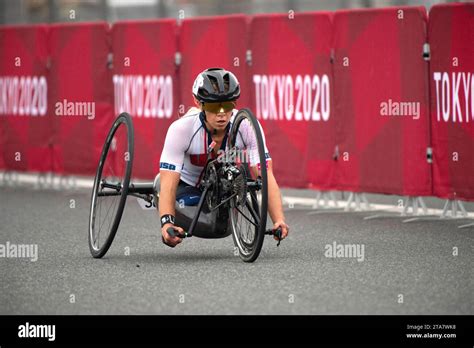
(198, 160)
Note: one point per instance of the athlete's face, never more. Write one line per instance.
(218, 115)
(218, 121)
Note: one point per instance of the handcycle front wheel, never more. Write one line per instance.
(111, 183)
(248, 209)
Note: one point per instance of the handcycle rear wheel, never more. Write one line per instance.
(248, 214)
(111, 184)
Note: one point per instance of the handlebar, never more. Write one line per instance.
(173, 233)
(277, 233)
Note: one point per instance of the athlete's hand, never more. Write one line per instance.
(169, 240)
(284, 229)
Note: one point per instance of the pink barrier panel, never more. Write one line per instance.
(145, 86)
(25, 130)
(451, 37)
(207, 42)
(80, 97)
(381, 101)
(291, 95)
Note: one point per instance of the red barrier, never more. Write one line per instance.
(80, 97)
(291, 95)
(145, 85)
(370, 108)
(381, 101)
(212, 42)
(25, 132)
(451, 37)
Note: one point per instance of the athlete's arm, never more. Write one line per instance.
(168, 185)
(171, 162)
(275, 206)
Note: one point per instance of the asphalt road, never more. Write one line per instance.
(405, 269)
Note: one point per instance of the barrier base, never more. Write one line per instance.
(323, 199)
(322, 203)
(453, 209)
(454, 203)
(415, 203)
(43, 181)
(359, 200)
(466, 226)
(9, 178)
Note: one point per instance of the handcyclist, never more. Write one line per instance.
(184, 155)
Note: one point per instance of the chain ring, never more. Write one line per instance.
(212, 198)
(239, 187)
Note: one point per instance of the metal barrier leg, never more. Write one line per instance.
(350, 199)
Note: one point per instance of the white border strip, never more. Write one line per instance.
(312, 202)
(57, 182)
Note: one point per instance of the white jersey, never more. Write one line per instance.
(187, 142)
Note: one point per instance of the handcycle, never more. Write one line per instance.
(234, 198)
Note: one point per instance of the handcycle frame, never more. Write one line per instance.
(221, 176)
(145, 191)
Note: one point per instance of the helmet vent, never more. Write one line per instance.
(214, 83)
(226, 82)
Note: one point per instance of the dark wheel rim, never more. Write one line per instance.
(111, 183)
(248, 216)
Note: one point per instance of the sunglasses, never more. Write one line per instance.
(216, 108)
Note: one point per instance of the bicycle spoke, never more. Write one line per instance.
(112, 172)
(115, 205)
(106, 215)
(253, 195)
(244, 234)
(246, 218)
(252, 212)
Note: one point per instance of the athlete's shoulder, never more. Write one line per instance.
(191, 113)
(187, 121)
